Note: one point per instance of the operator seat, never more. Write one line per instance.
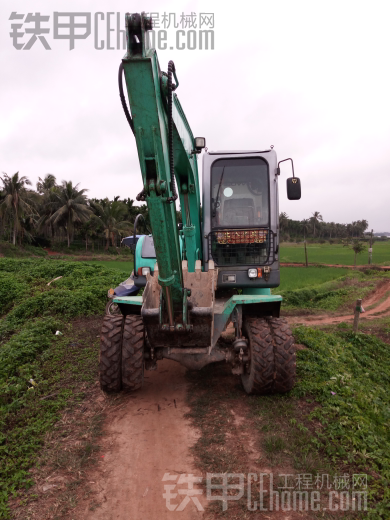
(238, 212)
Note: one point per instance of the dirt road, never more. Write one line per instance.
(146, 436)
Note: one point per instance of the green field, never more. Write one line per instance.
(317, 254)
(334, 254)
(292, 278)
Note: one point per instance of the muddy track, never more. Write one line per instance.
(376, 305)
(146, 436)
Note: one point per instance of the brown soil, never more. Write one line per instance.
(146, 436)
(51, 253)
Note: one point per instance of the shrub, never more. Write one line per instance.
(10, 290)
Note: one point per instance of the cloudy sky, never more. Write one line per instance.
(311, 78)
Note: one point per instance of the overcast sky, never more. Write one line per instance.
(309, 77)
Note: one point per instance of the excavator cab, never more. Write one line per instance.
(240, 218)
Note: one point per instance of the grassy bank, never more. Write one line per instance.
(303, 291)
(34, 361)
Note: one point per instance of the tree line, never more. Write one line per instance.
(55, 212)
(316, 228)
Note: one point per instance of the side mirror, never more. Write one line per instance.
(293, 188)
(293, 183)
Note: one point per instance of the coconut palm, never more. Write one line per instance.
(316, 218)
(110, 213)
(47, 206)
(70, 207)
(283, 221)
(44, 185)
(18, 201)
(305, 229)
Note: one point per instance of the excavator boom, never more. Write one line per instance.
(167, 157)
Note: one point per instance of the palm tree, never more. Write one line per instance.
(110, 213)
(70, 207)
(332, 229)
(305, 229)
(18, 201)
(316, 218)
(44, 185)
(283, 221)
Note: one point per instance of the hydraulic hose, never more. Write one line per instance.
(171, 70)
(123, 100)
(141, 195)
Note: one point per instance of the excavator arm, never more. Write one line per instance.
(167, 157)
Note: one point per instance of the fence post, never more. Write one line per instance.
(358, 310)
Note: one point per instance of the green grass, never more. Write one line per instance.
(292, 278)
(320, 288)
(10, 251)
(125, 266)
(349, 377)
(30, 350)
(334, 254)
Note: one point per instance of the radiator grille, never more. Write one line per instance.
(242, 246)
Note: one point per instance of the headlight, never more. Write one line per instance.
(252, 273)
(145, 271)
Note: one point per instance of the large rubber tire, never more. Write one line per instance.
(272, 356)
(285, 357)
(133, 353)
(110, 360)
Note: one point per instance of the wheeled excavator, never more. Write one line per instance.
(215, 268)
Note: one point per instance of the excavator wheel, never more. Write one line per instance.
(271, 367)
(110, 360)
(133, 353)
(285, 358)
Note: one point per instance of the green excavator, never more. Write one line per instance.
(215, 268)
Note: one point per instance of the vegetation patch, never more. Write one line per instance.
(39, 370)
(81, 291)
(332, 295)
(349, 377)
(292, 278)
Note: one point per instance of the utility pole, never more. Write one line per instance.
(370, 249)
